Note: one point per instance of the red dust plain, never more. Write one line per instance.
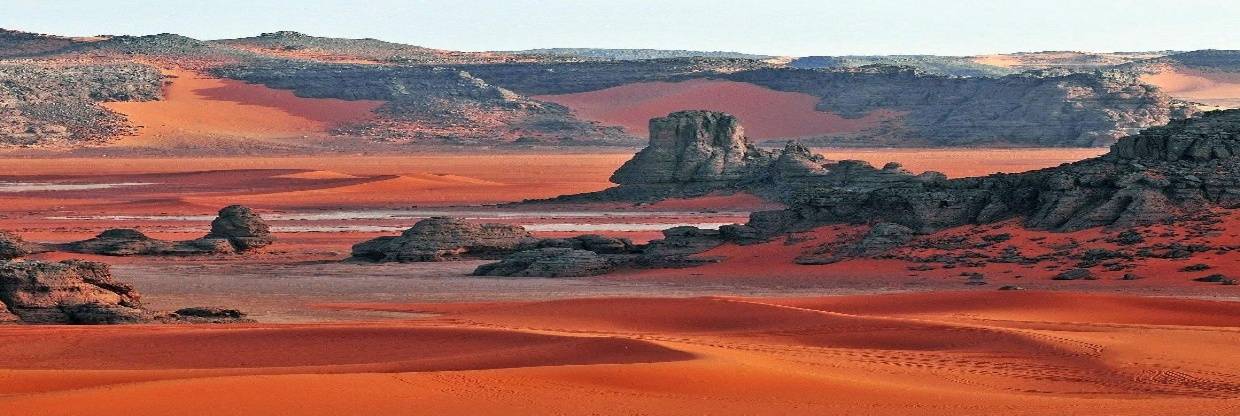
(1070, 348)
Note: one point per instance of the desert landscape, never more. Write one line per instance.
(289, 224)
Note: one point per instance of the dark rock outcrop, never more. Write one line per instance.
(548, 262)
(67, 292)
(242, 227)
(60, 105)
(236, 229)
(445, 238)
(1163, 173)
(13, 246)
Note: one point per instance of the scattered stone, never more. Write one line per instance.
(975, 279)
(1076, 274)
(1195, 267)
(1011, 287)
(1214, 278)
(1130, 276)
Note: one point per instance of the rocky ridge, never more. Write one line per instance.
(1168, 173)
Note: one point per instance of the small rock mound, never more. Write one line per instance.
(242, 227)
(548, 262)
(443, 239)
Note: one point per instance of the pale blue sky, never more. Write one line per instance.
(789, 27)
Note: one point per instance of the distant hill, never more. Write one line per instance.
(299, 45)
(636, 54)
(962, 66)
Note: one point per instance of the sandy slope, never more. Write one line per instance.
(199, 111)
(766, 113)
(1019, 353)
(1221, 89)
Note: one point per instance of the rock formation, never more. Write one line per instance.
(1158, 174)
(82, 292)
(236, 229)
(548, 262)
(445, 238)
(694, 153)
(241, 227)
(13, 246)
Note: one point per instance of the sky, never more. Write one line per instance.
(774, 27)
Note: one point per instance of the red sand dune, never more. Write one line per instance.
(196, 107)
(766, 113)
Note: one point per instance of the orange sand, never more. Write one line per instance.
(196, 107)
(1018, 353)
(766, 113)
(1221, 89)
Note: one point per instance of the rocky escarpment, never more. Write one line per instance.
(432, 105)
(1161, 173)
(83, 292)
(1036, 108)
(236, 229)
(59, 104)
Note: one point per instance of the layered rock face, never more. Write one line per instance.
(445, 238)
(83, 292)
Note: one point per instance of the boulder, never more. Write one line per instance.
(242, 227)
(548, 262)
